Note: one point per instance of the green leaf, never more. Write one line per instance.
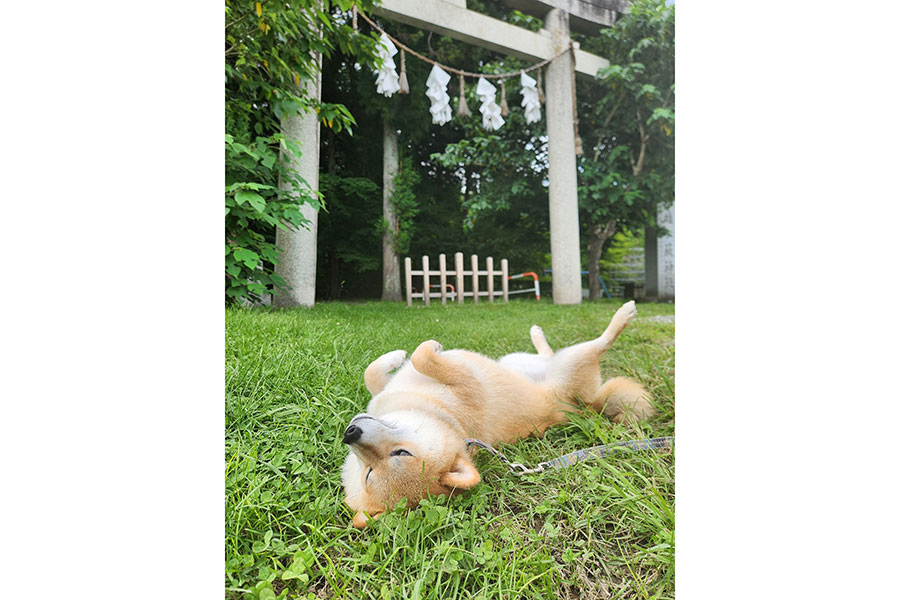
(255, 200)
(248, 185)
(266, 594)
(302, 560)
(291, 573)
(248, 257)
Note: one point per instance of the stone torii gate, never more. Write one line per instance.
(451, 18)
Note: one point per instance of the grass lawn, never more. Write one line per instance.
(602, 529)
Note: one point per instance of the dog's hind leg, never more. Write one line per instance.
(574, 358)
(617, 325)
(574, 372)
(540, 342)
(378, 374)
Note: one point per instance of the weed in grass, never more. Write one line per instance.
(602, 529)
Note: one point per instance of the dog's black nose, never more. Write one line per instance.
(352, 434)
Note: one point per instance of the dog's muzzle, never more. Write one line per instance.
(372, 425)
(352, 434)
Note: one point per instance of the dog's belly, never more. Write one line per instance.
(531, 366)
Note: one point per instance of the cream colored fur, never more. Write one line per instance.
(410, 441)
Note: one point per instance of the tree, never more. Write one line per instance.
(630, 168)
(270, 51)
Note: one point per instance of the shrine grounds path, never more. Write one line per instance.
(603, 529)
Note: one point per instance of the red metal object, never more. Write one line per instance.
(537, 284)
(437, 285)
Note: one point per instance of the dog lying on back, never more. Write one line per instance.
(410, 441)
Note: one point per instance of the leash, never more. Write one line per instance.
(567, 460)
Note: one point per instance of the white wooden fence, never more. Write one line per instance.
(457, 292)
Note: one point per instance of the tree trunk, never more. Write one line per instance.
(390, 272)
(599, 235)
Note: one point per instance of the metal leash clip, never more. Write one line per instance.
(520, 469)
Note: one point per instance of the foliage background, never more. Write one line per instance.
(270, 50)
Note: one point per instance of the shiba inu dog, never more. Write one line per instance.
(410, 441)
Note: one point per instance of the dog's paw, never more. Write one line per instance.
(426, 350)
(626, 312)
(394, 359)
(536, 330)
(423, 357)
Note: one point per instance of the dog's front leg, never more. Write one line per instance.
(429, 361)
(377, 374)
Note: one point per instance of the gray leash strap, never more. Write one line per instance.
(567, 460)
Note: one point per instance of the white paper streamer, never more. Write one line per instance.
(530, 100)
(437, 92)
(490, 110)
(387, 82)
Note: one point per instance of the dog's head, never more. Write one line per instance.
(403, 455)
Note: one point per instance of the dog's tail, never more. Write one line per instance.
(623, 400)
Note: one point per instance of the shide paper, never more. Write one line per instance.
(530, 101)
(387, 81)
(490, 110)
(437, 92)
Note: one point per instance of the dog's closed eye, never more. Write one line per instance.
(401, 452)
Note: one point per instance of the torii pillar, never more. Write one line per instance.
(297, 261)
(565, 244)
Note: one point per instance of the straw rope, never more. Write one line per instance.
(461, 72)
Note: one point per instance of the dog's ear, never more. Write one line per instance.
(462, 475)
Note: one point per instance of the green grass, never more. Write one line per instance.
(602, 529)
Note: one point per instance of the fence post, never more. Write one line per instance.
(475, 278)
(407, 262)
(504, 270)
(490, 278)
(460, 278)
(442, 262)
(425, 281)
